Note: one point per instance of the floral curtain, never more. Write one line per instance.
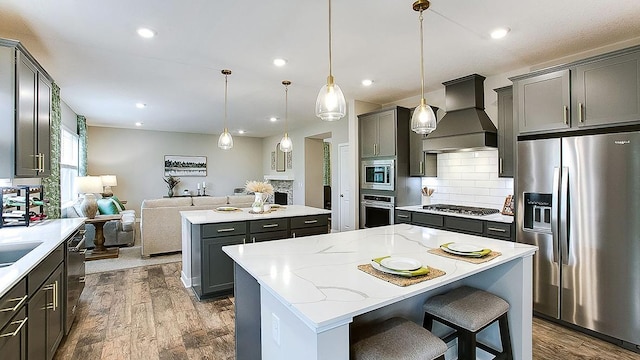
(326, 172)
(82, 146)
(52, 183)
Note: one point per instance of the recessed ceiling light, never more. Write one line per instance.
(141, 105)
(273, 119)
(279, 62)
(367, 82)
(241, 132)
(146, 33)
(138, 124)
(499, 33)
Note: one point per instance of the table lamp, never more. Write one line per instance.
(88, 185)
(108, 181)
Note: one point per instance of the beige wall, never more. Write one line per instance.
(137, 158)
(314, 189)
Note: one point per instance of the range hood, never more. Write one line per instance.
(465, 126)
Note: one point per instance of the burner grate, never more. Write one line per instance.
(457, 209)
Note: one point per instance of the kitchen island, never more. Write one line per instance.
(295, 299)
(207, 269)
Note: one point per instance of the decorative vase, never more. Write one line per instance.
(258, 203)
(170, 193)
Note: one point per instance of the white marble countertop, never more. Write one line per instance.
(51, 233)
(211, 216)
(317, 276)
(497, 217)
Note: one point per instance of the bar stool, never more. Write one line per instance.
(469, 311)
(396, 338)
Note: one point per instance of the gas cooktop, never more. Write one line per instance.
(466, 210)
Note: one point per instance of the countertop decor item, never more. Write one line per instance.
(89, 185)
(225, 142)
(172, 182)
(423, 120)
(262, 190)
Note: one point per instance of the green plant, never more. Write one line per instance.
(171, 181)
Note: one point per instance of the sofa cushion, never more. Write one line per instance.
(210, 201)
(107, 206)
(168, 202)
(241, 200)
(119, 203)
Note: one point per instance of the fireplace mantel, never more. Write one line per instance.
(279, 177)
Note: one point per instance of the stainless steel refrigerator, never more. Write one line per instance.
(579, 202)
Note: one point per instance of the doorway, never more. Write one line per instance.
(317, 159)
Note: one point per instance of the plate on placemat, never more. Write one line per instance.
(400, 263)
(227, 208)
(464, 248)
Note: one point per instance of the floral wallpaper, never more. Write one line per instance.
(82, 146)
(52, 183)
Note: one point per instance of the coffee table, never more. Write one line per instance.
(101, 252)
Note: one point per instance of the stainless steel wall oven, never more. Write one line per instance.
(376, 210)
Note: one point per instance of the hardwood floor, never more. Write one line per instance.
(146, 313)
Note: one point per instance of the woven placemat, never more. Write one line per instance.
(227, 211)
(492, 255)
(401, 280)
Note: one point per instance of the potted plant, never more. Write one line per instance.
(172, 182)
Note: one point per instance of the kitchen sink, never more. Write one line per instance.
(12, 252)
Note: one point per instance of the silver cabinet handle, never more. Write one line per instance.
(500, 166)
(21, 322)
(269, 226)
(403, 216)
(55, 295)
(421, 167)
(310, 221)
(293, 234)
(498, 230)
(20, 302)
(82, 280)
(565, 114)
(226, 230)
(253, 239)
(41, 162)
(580, 115)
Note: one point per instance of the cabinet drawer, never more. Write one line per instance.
(309, 221)
(465, 225)
(258, 226)
(270, 235)
(403, 217)
(13, 337)
(224, 229)
(42, 271)
(318, 230)
(430, 220)
(11, 302)
(499, 230)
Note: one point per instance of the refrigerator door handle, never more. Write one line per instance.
(564, 213)
(554, 211)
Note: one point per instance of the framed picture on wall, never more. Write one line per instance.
(179, 165)
(507, 209)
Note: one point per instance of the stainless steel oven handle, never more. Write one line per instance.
(78, 247)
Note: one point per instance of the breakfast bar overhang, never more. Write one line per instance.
(296, 298)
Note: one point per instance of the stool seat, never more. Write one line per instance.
(396, 338)
(466, 307)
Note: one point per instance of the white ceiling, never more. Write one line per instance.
(103, 67)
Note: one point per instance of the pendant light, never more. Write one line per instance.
(423, 120)
(330, 105)
(286, 145)
(225, 142)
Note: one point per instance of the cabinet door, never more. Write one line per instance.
(55, 315)
(37, 323)
(44, 125)
(386, 133)
(543, 102)
(607, 92)
(26, 90)
(13, 345)
(368, 135)
(308, 231)
(403, 217)
(217, 267)
(505, 132)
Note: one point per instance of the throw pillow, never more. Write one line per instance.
(119, 203)
(107, 207)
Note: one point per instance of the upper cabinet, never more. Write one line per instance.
(506, 160)
(25, 91)
(420, 162)
(378, 132)
(597, 92)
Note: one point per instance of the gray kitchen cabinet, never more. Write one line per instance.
(378, 132)
(607, 91)
(211, 268)
(543, 102)
(479, 227)
(309, 225)
(13, 317)
(420, 162)
(403, 217)
(268, 229)
(45, 327)
(506, 145)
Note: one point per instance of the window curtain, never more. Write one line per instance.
(52, 183)
(82, 146)
(326, 172)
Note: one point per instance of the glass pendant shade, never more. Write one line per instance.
(225, 141)
(423, 120)
(331, 105)
(286, 145)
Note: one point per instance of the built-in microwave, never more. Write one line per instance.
(378, 175)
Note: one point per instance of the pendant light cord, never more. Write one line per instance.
(226, 84)
(330, 67)
(286, 108)
(421, 54)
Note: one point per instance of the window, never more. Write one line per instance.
(68, 166)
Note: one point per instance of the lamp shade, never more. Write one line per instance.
(88, 184)
(109, 180)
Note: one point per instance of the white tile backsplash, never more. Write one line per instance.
(469, 178)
